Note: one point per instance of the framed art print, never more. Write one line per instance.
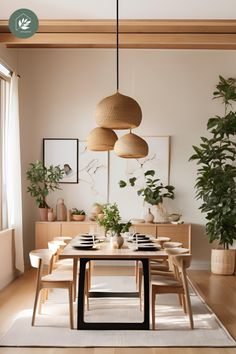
(62, 152)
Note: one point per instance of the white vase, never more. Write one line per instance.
(117, 241)
(149, 217)
(160, 213)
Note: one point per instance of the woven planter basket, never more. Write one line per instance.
(101, 139)
(118, 112)
(131, 146)
(223, 261)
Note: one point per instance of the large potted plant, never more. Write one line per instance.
(43, 180)
(153, 192)
(111, 222)
(215, 184)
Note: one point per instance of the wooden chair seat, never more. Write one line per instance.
(164, 282)
(57, 275)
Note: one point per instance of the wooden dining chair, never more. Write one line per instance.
(41, 259)
(174, 285)
(69, 264)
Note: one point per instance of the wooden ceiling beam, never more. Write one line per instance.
(166, 34)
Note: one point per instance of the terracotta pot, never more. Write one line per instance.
(43, 213)
(78, 217)
(223, 261)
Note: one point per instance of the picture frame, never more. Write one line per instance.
(65, 153)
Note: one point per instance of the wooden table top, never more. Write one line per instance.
(104, 250)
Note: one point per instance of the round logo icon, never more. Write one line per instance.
(23, 23)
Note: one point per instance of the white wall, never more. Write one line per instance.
(60, 89)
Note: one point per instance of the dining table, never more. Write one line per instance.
(104, 251)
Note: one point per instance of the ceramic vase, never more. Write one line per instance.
(149, 217)
(61, 210)
(51, 215)
(160, 213)
(117, 241)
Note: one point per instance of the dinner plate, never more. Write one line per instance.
(141, 237)
(82, 238)
(84, 247)
(144, 241)
(147, 248)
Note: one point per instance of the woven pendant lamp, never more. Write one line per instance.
(118, 112)
(131, 146)
(101, 139)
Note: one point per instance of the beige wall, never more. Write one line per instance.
(60, 88)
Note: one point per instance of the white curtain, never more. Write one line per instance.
(12, 169)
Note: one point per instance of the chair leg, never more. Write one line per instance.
(87, 286)
(183, 303)
(136, 272)
(189, 309)
(153, 309)
(140, 286)
(41, 300)
(180, 300)
(75, 268)
(35, 306)
(70, 289)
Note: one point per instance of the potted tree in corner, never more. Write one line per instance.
(43, 180)
(215, 184)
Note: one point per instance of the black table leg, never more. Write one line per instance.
(81, 324)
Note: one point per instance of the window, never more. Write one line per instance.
(5, 75)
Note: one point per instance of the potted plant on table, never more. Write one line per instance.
(216, 175)
(77, 215)
(111, 222)
(153, 193)
(43, 180)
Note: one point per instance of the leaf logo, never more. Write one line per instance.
(24, 24)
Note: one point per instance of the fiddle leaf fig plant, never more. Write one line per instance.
(43, 180)
(215, 156)
(154, 191)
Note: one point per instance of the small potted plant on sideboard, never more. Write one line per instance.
(77, 215)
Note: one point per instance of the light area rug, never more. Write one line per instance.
(52, 326)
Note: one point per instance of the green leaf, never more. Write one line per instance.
(122, 184)
(132, 181)
(149, 173)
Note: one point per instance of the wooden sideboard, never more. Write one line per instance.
(46, 231)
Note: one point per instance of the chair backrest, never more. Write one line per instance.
(53, 246)
(40, 257)
(173, 252)
(172, 244)
(182, 261)
(176, 250)
(65, 239)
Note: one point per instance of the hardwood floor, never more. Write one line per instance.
(218, 292)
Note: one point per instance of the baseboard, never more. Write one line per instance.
(202, 265)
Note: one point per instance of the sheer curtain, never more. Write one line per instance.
(12, 168)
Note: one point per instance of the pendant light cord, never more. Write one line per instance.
(117, 45)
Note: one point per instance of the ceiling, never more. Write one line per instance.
(132, 9)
